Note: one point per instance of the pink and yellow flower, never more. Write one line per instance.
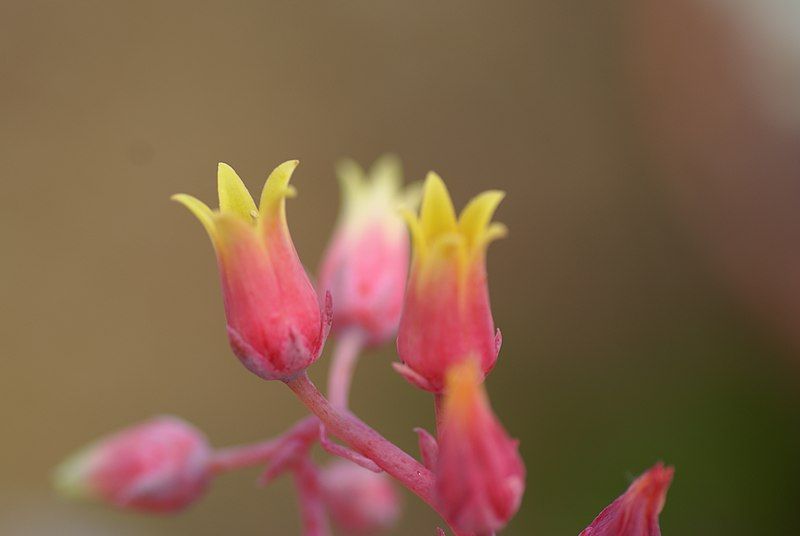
(161, 465)
(480, 476)
(447, 315)
(366, 263)
(275, 324)
(635, 512)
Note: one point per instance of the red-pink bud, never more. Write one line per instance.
(480, 476)
(359, 501)
(366, 263)
(446, 315)
(275, 324)
(160, 465)
(635, 512)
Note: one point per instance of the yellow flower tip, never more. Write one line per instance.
(233, 195)
(277, 188)
(387, 172)
(475, 221)
(200, 211)
(437, 215)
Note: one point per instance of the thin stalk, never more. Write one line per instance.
(340, 375)
(231, 458)
(365, 440)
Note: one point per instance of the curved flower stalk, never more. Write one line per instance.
(275, 324)
(159, 466)
(635, 512)
(447, 315)
(365, 265)
(480, 477)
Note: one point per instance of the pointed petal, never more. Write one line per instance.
(276, 189)
(352, 181)
(415, 228)
(233, 194)
(200, 211)
(387, 172)
(477, 214)
(437, 214)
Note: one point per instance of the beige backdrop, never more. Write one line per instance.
(621, 345)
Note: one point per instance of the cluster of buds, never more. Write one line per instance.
(277, 324)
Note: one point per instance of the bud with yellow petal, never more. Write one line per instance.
(276, 326)
(447, 315)
(366, 263)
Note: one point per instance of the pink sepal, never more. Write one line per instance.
(412, 377)
(346, 453)
(428, 448)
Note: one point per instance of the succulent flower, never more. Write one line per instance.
(365, 265)
(160, 465)
(359, 501)
(447, 316)
(480, 476)
(635, 512)
(276, 326)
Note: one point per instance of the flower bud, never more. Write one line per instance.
(446, 315)
(359, 501)
(275, 324)
(480, 477)
(635, 512)
(158, 466)
(365, 265)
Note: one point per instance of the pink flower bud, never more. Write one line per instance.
(158, 466)
(366, 263)
(480, 477)
(635, 512)
(275, 324)
(447, 315)
(359, 501)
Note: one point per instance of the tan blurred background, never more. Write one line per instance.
(646, 292)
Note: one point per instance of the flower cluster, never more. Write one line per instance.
(373, 287)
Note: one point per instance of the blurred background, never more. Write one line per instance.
(648, 293)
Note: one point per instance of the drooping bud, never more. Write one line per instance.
(359, 501)
(480, 476)
(365, 265)
(635, 512)
(161, 465)
(447, 315)
(275, 324)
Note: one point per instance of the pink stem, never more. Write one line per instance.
(231, 458)
(312, 506)
(340, 375)
(365, 440)
(438, 409)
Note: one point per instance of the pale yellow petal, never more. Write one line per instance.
(351, 179)
(414, 227)
(276, 189)
(477, 214)
(387, 172)
(200, 210)
(233, 195)
(437, 215)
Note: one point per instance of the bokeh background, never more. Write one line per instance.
(649, 290)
